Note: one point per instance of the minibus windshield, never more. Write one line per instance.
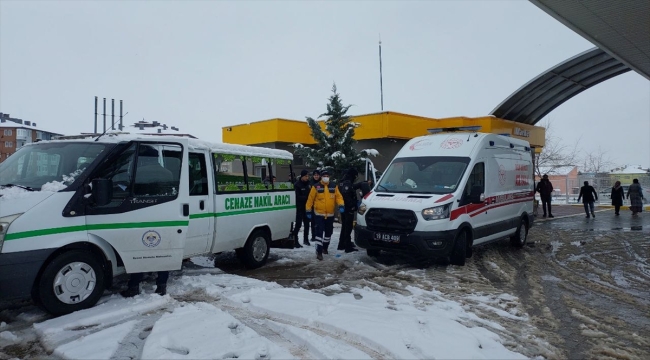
(59, 163)
(423, 175)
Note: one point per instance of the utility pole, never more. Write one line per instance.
(381, 83)
(104, 114)
(95, 115)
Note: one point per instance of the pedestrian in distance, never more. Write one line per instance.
(323, 199)
(315, 179)
(635, 194)
(269, 181)
(588, 195)
(349, 192)
(302, 188)
(545, 190)
(136, 278)
(618, 195)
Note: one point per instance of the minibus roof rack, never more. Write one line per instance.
(454, 129)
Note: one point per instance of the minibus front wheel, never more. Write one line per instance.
(74, 280)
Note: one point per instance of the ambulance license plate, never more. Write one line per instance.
(387, 237)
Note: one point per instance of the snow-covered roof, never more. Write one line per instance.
(196, 144)
(11, 124)
(630, 169)
(556, 170)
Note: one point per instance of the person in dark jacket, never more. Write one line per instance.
(302, 188)
(588, 195)
(545, 189)
(618, 195)
(348, 190)
(635, 194)
(315, 179)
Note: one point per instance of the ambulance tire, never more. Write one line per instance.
(521, 236)
(373, 252)
(459, 252)
(83, 265)
(256, 251)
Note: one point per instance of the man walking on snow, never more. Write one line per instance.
(588, 195)
(302, 187)
(323, 199)
(349, 192)
(545, 190)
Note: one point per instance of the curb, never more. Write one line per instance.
(624, 207)
(568, 216)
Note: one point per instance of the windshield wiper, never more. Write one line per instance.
(19, 186)
(381, 186)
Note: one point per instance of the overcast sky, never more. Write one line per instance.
(207, 64)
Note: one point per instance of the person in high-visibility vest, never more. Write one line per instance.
(323, 199)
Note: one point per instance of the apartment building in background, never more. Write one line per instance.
(15, 133)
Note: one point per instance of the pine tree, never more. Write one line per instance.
(334, 149)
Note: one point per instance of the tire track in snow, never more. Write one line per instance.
(375, 351)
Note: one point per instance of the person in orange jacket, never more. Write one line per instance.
(323, 199)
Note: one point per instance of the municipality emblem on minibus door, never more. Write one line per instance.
(151, 239)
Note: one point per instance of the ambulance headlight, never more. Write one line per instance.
(435, 213)
(4, 226)
(362, 209)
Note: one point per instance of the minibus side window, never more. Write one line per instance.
(254, 174)
(157, 170)
(229, 173)
(198, 175)
(120, 171)
(283, 183)
(475, 182)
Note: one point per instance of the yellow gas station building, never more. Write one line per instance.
(386, 132)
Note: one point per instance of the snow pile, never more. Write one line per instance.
(100, 345)
(9, 336)
(371, 152)
(57, 331)
(399, 327)
(53, 186)
(13, 192)
(207, 333)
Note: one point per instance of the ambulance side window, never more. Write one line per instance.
(475, 184)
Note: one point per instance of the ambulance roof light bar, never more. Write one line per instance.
(454, 129)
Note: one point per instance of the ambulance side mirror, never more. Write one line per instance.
(476, 195)
(102, 191)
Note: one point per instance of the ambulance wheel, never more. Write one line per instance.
(521, 236)
(256, 251)
(74, 280)
(373, 252)
(459, 252)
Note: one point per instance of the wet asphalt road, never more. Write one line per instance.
(580, 288)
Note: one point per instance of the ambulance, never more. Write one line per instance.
(74, 213)
(446, 192)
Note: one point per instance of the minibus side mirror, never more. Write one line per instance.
(102, 191)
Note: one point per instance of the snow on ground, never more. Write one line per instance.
(212, 314)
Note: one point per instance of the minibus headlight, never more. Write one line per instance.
(435, 213)
(362, 209)
(4, 226)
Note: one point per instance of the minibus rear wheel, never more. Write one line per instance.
(72, 281)
(256, 251)
(459, 252)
